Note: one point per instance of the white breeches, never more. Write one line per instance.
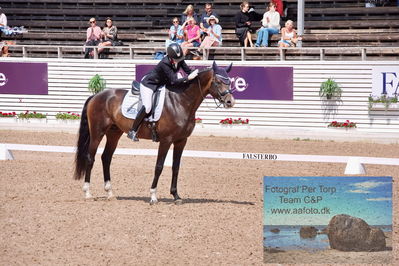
(146, 97)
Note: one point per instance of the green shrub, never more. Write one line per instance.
(68, 115)
(329, 89)
(96, 84)
(29, 114)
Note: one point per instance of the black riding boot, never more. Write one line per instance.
(137, 122)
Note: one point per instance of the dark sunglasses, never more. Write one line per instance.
(92, 22)
(175, 21)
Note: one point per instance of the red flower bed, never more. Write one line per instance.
(10, 114)
(346, 124)
(231, 121)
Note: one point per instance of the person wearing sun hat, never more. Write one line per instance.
(208, 11)
(214, 37)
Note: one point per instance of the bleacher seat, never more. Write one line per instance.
(328, 23)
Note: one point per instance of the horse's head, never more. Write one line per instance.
(220, 86)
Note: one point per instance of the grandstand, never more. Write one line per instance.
(143, 24)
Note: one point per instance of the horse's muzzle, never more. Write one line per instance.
(228, 101)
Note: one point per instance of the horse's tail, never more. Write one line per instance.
(82, 151)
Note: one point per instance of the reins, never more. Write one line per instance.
(218, 105)
(203, 97)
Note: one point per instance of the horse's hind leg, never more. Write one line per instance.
(177, 152)
(94, 142)
(162, 152)
(113, 136)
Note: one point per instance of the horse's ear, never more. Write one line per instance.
(214, 66)
(229, 68)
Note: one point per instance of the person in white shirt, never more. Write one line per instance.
(289, 37)
(270, 26)
(3, 25)
(3, 19)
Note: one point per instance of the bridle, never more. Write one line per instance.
(215, 84)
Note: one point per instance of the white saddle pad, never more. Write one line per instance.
(132, 103)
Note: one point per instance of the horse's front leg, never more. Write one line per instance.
(177, 152)
(162, 152)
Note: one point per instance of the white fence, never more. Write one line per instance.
(68, 79)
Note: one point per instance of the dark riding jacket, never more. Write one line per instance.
(165, 73)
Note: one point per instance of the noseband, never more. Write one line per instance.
(224, 80)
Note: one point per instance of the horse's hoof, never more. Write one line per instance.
(179, 202)
(89, 197)
(153, 202)
(112, 197)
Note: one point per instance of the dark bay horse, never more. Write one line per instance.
(102, 115)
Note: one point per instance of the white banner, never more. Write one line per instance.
(385, 80)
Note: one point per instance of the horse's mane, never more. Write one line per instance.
(204, 70)
(185, 87)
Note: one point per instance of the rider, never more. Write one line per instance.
(165, 73)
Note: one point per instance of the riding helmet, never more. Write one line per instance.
(175, 52)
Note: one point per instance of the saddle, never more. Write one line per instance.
(155, 100)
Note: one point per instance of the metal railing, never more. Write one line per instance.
(132, 52)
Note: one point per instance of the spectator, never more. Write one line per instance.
(270, 26)
(279, 7)
(214, 32)
(289, 37)
(93, 37)
(3, 25)
(203, 21)
(109, 34)
(189, 13)
(371, 3)
(3, 19)
(192, 31)
(175, 32)
(243, 20)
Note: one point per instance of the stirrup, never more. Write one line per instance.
(132, 135)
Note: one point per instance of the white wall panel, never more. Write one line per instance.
(68, 79)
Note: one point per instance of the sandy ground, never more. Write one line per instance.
(46, 221)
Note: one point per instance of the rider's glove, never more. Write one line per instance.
(193, 74)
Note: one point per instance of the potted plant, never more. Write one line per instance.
(68, 117)
(329, 89)
(8, 117)
(32, 117)
(96, 84)
(383, 102)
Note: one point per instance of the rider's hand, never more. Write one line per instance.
(193, 74)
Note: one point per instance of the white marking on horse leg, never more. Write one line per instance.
(153, 193)
(86, 190)
(108, 189)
